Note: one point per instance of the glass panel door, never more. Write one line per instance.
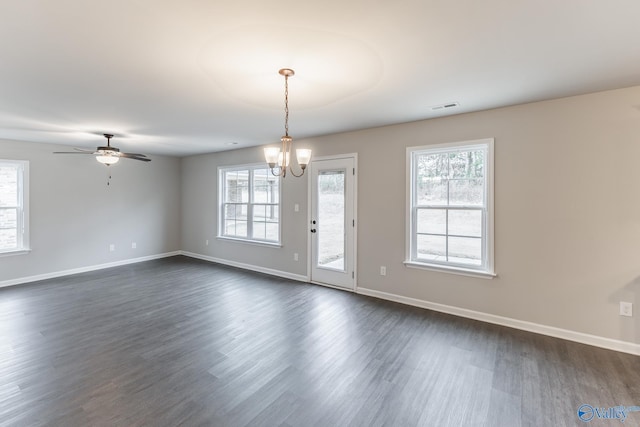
(333, 222)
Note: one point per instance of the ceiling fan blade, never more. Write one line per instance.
(84, 151)
(135, 154)
(73, 152)
(126, 156)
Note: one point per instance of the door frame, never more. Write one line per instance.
(353, 156)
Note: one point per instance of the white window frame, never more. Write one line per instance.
(22, 207)
(250, 204)
(486, 269)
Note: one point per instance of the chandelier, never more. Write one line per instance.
(279, 156)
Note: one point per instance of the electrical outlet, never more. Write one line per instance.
(206, 242)
(295, 256)
(626, 309)
(296, 208)
(133, 245)
(383, 270)
(112, 247)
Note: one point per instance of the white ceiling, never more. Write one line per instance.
(182, 77)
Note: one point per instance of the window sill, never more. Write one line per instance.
(452, 270)
(250, 242)
(15, 252)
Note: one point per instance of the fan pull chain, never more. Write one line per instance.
(109, 174)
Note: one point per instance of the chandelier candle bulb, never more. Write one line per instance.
(272, 154)
(304, 156)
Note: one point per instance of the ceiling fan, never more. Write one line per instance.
(108, 155)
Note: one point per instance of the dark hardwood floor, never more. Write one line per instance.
(185, 342)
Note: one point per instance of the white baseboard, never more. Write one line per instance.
(55, 274)
(608, 343)
(279, 273)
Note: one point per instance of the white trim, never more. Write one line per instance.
(491, 191)
(265, 270)
(14, 252)
(22, 207)
(337, 156)
(250, 242)
(28, 279)
(26, 242)
(340, 288)
(355, 218)
(220, 196)
(488, 269)
(450, 269)
(447, 147)
(594, 340)
(308, 224)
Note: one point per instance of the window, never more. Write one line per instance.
(450, 212)
(14, 219)
(249, 199)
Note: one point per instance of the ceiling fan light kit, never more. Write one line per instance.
(108, 159)
(107, 155)
(279, 156)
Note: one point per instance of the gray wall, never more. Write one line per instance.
(74, 216)
(200, 215)
(567, 211)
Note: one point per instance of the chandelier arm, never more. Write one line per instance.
(275, 174)
(294, 174)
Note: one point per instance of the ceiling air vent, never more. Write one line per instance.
(445, 106)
